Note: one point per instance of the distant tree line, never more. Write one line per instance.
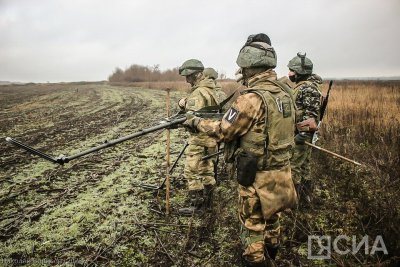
(138, 73)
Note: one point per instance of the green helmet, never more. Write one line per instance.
(301, 64)
(191, 66)
(257, 54)
(211, 73)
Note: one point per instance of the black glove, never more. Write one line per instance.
(300, 139)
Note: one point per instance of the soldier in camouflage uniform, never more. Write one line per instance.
(307, 95)
(261, 123)
(199, 174)
(213, 74)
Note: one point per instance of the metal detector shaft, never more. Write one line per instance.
(125, 138)
(333, 154)
(65, 159)
(31, 149)
(179, 156)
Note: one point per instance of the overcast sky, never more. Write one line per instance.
(85, 40)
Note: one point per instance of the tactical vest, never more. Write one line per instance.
(271, 139)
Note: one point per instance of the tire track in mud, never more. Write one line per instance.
(90, 194)
(69, 126)
(46, 186)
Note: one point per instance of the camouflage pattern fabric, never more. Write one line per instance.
(308, 101)
(247, 114)
(308, 98)
(258, 228)
(300, 163)
(221, 96)
(199, 173)
(212, 74)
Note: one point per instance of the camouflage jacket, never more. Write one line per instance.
(246, 117)
(307, 95)
(221, 96)
(203, 94)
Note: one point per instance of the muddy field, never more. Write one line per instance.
(90, 212)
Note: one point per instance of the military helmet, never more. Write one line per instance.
(259, 37)
(211, 73)
(257, 54)
(190, 66)
(301, 64)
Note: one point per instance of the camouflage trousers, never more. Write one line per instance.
(199, 173)
(258, 226)
(300, 163)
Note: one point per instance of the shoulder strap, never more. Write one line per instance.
(261, 95)
(286, 89)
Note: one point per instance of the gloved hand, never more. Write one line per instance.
(182, 103)
(300, 139)
(191, 121)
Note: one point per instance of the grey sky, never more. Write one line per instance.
(77, 40)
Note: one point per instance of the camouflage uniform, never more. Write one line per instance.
(261, 121)
(198, 173)
(211, 73)
(307, 95)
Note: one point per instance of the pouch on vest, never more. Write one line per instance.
(246, 168)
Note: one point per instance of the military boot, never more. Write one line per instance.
(208, 196)
(308, 191)
(196, 202)
(303, 194)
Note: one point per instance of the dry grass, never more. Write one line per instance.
(363, 123)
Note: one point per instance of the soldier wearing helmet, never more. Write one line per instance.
(258, 134)
(213, 74)
(307, 95)
(199, 174)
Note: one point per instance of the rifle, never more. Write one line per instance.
(324, 105)
(179, 118)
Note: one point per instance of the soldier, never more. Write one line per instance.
(260, 123)
(307, 96)
(199, 174)
(213, 74)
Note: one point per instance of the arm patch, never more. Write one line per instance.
(231, 115)
(192, 102)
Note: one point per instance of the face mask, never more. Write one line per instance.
(292, 78)
(190, 79)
